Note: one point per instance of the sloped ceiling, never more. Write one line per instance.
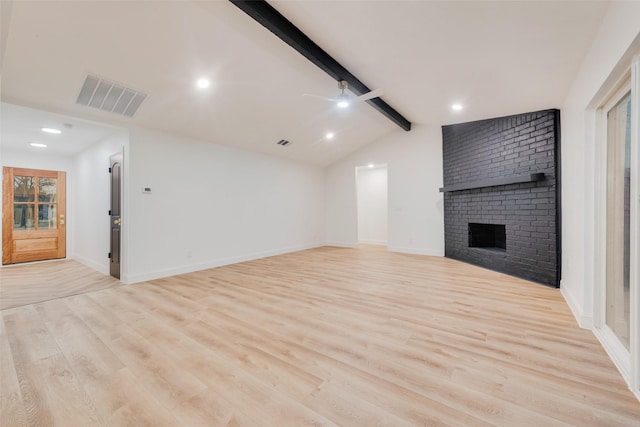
(497, 58)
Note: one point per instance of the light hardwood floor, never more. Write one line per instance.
(22, 284)
(323, 337)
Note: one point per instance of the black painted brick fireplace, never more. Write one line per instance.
(504, 172)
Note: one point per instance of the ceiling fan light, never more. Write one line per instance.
(343, 100)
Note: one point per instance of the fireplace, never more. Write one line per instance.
(487, 236)
(502, 193)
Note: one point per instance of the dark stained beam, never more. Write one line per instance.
(275, 22)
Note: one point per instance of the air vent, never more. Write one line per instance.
(283, 142)
(108, 96)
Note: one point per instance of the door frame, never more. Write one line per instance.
(627, 362)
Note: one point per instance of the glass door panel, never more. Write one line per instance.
(617, 298)
(47, 190)
(23, 189)
(23, 217)
(46, 216)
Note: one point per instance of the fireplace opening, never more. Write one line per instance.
(488, 236)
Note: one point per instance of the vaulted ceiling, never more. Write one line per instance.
(496, 58)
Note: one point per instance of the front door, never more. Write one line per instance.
(33, 215)
(116, 172)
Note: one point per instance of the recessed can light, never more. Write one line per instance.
(37, 144)
(456, 107)
(371, 165)
(203, 83)
(51, 130)
(330, 135)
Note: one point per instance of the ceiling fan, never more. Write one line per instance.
(343, 100)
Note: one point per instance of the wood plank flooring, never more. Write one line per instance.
(324, 337)
(23, 284)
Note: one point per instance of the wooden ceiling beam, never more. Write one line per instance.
(274, 21)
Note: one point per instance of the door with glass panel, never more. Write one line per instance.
(33, 215)
(618, 230)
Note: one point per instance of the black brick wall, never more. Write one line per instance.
(500, 148)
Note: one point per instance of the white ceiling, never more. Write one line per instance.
(497, 58)
(22, 126)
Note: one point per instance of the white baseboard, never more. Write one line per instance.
(101, 268)
(158, 274)
(372, 242)
(584, 321)
(416, 251)
(341, 244)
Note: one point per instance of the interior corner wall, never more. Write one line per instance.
(212, 205)
(619, 28)
(372, 205)
(415, 207)
(92, 195)
(30, 159)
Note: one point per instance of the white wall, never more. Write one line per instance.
(213, 205)
(619, 28)
(92, 194)
(35, 160)
(41, 160)
(414, 162)
(371, 188)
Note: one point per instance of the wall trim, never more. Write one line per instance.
(372, 242)
(159, 274)
(100, 268)
(584, 321)
(417, 251)
(341, 244)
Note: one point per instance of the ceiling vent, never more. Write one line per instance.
(283, 142)
(108, 96)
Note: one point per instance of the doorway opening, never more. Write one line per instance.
(372, 204)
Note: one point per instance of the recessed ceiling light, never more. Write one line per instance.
(51, 130)
(330, 135)
(370, 165)
(203, 83)
(37, 144)
(456, 107)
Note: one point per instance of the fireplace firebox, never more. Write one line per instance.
(488, 236)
